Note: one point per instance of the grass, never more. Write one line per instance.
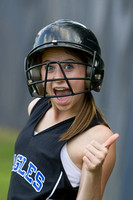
(7, 141)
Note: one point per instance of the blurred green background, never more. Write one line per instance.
(7, 140)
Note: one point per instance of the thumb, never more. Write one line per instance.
(111, 140)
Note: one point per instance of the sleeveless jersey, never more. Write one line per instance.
(37, 172)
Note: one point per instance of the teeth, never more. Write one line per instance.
(60, 89)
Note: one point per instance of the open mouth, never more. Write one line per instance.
(61, 91)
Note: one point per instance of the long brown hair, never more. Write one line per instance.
(89, 108)
(84, 117)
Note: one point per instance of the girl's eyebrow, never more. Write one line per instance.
(45, 61)
(69, 59)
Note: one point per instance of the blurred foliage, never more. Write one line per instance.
(7, 141)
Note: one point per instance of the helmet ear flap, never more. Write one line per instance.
(36, 76)
(94, 76)
(89, 73)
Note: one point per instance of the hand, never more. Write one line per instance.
(96, 153)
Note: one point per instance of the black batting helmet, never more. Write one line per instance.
(67, 34)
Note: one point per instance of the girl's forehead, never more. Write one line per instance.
(58, 54)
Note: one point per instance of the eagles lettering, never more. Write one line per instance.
(32, 175)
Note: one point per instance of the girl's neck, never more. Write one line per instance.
(59, 116)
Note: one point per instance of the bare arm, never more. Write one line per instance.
(98, 164)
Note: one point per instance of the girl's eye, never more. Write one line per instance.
(50, 68)
(68, 67)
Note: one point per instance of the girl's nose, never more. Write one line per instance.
(58, 73)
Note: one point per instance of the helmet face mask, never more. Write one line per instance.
(70, 35)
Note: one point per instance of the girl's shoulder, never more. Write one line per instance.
(100, 133)
(32, 104)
